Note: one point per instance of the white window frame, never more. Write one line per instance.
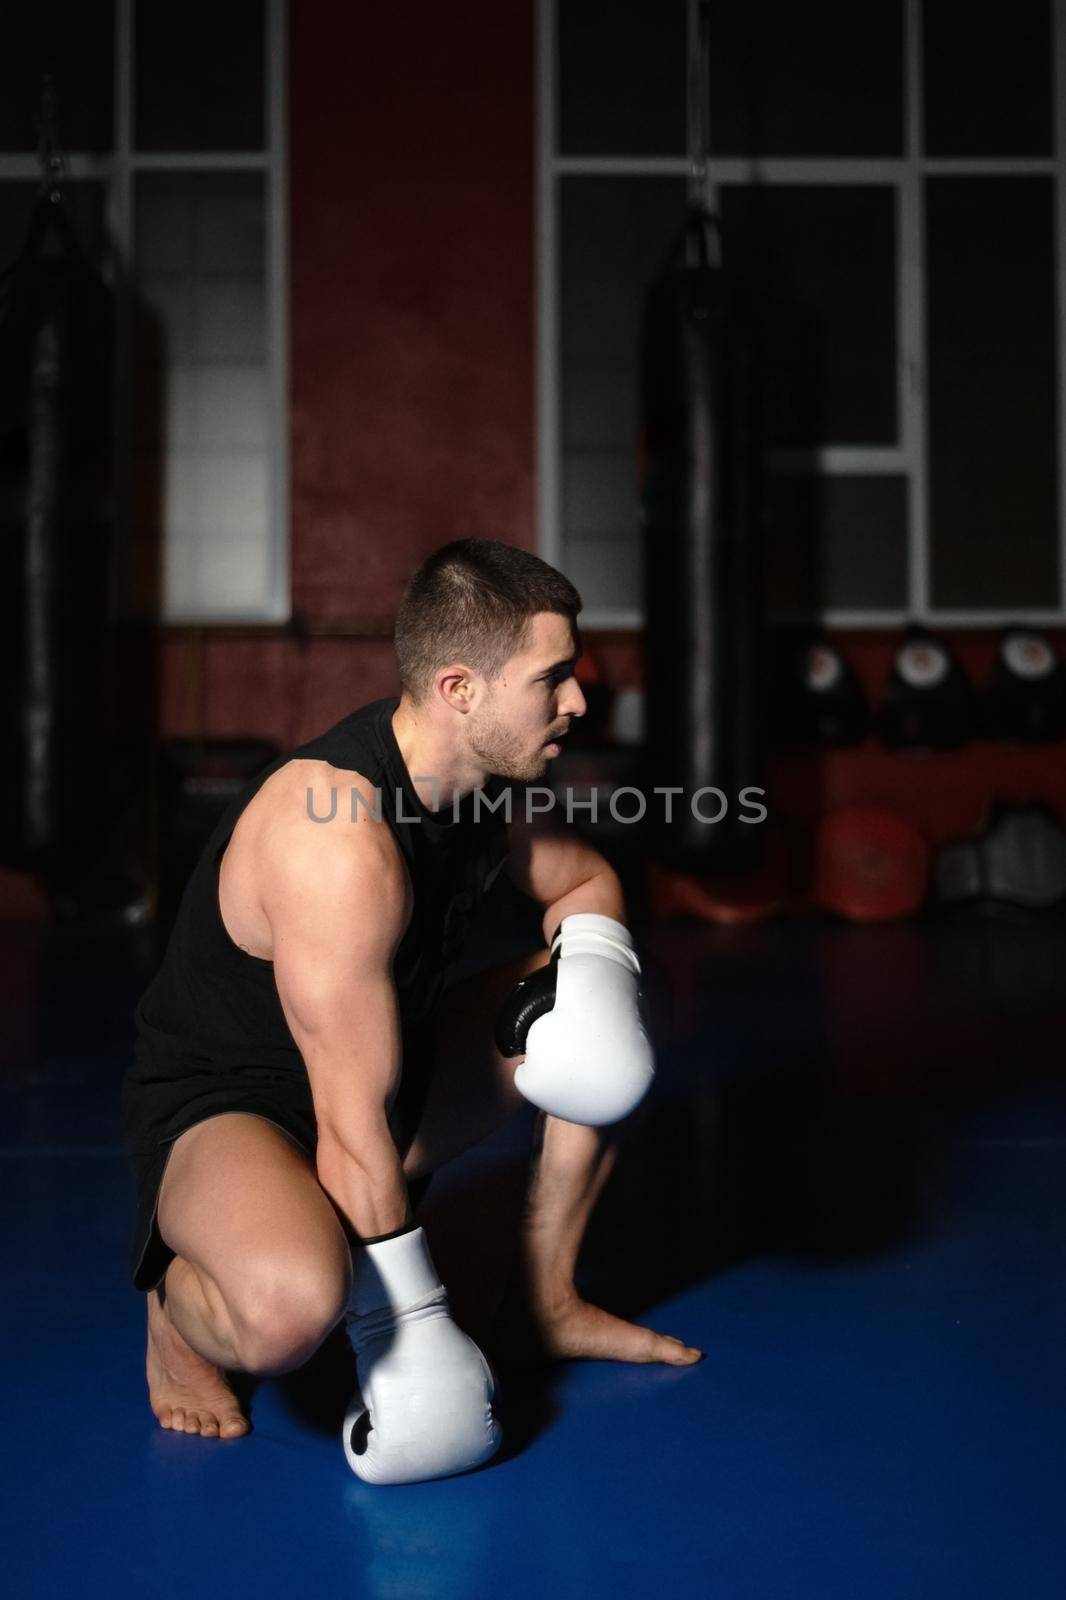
(118, 172)
(906, 175)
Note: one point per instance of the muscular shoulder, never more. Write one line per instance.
(326, 861)
(314, 800)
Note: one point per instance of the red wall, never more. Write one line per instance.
(412, 141)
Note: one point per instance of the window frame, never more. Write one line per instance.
(118, 173)
(906, 175)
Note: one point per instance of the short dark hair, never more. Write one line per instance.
(473, 601)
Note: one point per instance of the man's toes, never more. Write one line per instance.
(217, 1424)
(677, 1354)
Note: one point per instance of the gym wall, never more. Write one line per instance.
(411, 272)
(413, 329)
(412, 300)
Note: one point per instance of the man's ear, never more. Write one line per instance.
(457, 687)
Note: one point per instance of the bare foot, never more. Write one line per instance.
(574, 1329)
(186, 1392)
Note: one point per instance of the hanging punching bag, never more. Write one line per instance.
(56, 450)
(702, 560)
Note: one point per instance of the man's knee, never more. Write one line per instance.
(282, 1309)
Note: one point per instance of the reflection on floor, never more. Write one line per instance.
(849, 1187)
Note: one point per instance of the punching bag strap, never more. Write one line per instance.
(49, 218)
(698, 97)
(693, 245)
(702, 225)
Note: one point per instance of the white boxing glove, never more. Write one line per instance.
(578, 1023)
(424, 1408)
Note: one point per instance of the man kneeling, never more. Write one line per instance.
(300, 1072)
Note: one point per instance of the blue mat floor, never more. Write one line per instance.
(849, 1188)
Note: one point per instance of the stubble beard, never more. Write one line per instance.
(500, 752)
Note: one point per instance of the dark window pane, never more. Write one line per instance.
(622, 77)
(815, 79)
(600, 495)
(599, 408)
(199, 75)
(607, 572)
(991, 392)
(987, 87)
(836, 543)
(74, 40)
(822, 265)
(614, 234)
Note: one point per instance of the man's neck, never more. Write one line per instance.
(439, 773)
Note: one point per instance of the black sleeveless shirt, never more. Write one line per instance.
(213, 1010)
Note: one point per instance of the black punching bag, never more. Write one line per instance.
(702, 559)
(56, 476)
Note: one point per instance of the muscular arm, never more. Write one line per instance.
(555, 867)
(563, 874)
(558, 869)
(337, 906)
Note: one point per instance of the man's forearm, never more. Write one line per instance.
(360, 1169)
(601, 893)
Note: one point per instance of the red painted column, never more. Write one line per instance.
(412, 290)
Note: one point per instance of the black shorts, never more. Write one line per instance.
(158, 1109)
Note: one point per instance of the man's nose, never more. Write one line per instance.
(571, 700)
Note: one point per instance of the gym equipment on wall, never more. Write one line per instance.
(1024, 699)
(928, 703)
(1016, 862)
(56, 509)
(818, 697)
(870, 865)
(702, 555)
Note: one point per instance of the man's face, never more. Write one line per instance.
(530, 704)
